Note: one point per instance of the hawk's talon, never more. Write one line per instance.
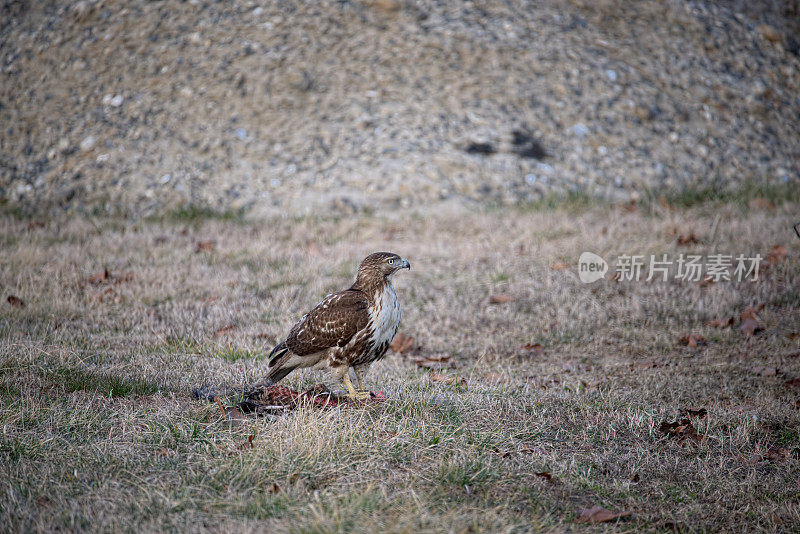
(354, 394)
(360, 395)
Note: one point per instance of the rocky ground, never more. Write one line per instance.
(138, 107)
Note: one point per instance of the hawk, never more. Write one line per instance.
(351, 328)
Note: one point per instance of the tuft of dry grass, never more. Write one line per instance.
(99, 430)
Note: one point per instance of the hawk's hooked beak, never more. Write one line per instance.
(405, 264)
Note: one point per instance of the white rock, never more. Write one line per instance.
(88, 143)
(580, 130)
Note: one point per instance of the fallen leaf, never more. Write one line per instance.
(247, 444)
(791, 335)
(127, 276)
(545, 475)
(688, 239)
(275, 488)
(766, 371)
(560, 266)
(750, 324)
(777, 454)
(630, 207)
(650, 364)
(99, 278)
(224, 329)
(700, 412)
(662, 201)
(635, 478)
(776, 254)
(706, 281)
(721, 323)
(496, 378)
(501, 298)
(447, 379)
(15, 302)
(313, 248)
(681, 430)
(501, 454)
(793, 383)
(105, 277)
(693, 340)
(204, 246)
(441, 361)
(402, 343)
(760, 203)
(598, 514)
(533, 349)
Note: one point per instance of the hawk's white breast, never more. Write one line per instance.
(384, 316)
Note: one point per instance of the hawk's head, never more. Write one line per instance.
(381, 265)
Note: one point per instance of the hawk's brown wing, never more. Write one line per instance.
(332, 323)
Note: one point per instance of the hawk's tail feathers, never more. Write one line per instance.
(279, 350)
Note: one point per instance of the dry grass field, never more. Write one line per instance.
(100, 431)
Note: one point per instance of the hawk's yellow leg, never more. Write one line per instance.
(352, 393)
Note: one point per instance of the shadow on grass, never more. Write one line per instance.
(193, 213)
(579, 201)
(73, 379)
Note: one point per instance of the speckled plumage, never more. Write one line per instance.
(351, 328)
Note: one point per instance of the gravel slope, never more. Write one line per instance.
(292, 107)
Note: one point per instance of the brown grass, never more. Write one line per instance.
(99, 431)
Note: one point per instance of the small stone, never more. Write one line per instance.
(116, 101)
(611, 75)
(166, 178)
(88, 143)
(769, 33)
(241, 134)
(643, 113)
(388, 6)
(580, 130)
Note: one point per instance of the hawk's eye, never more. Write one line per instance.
(390, 262)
